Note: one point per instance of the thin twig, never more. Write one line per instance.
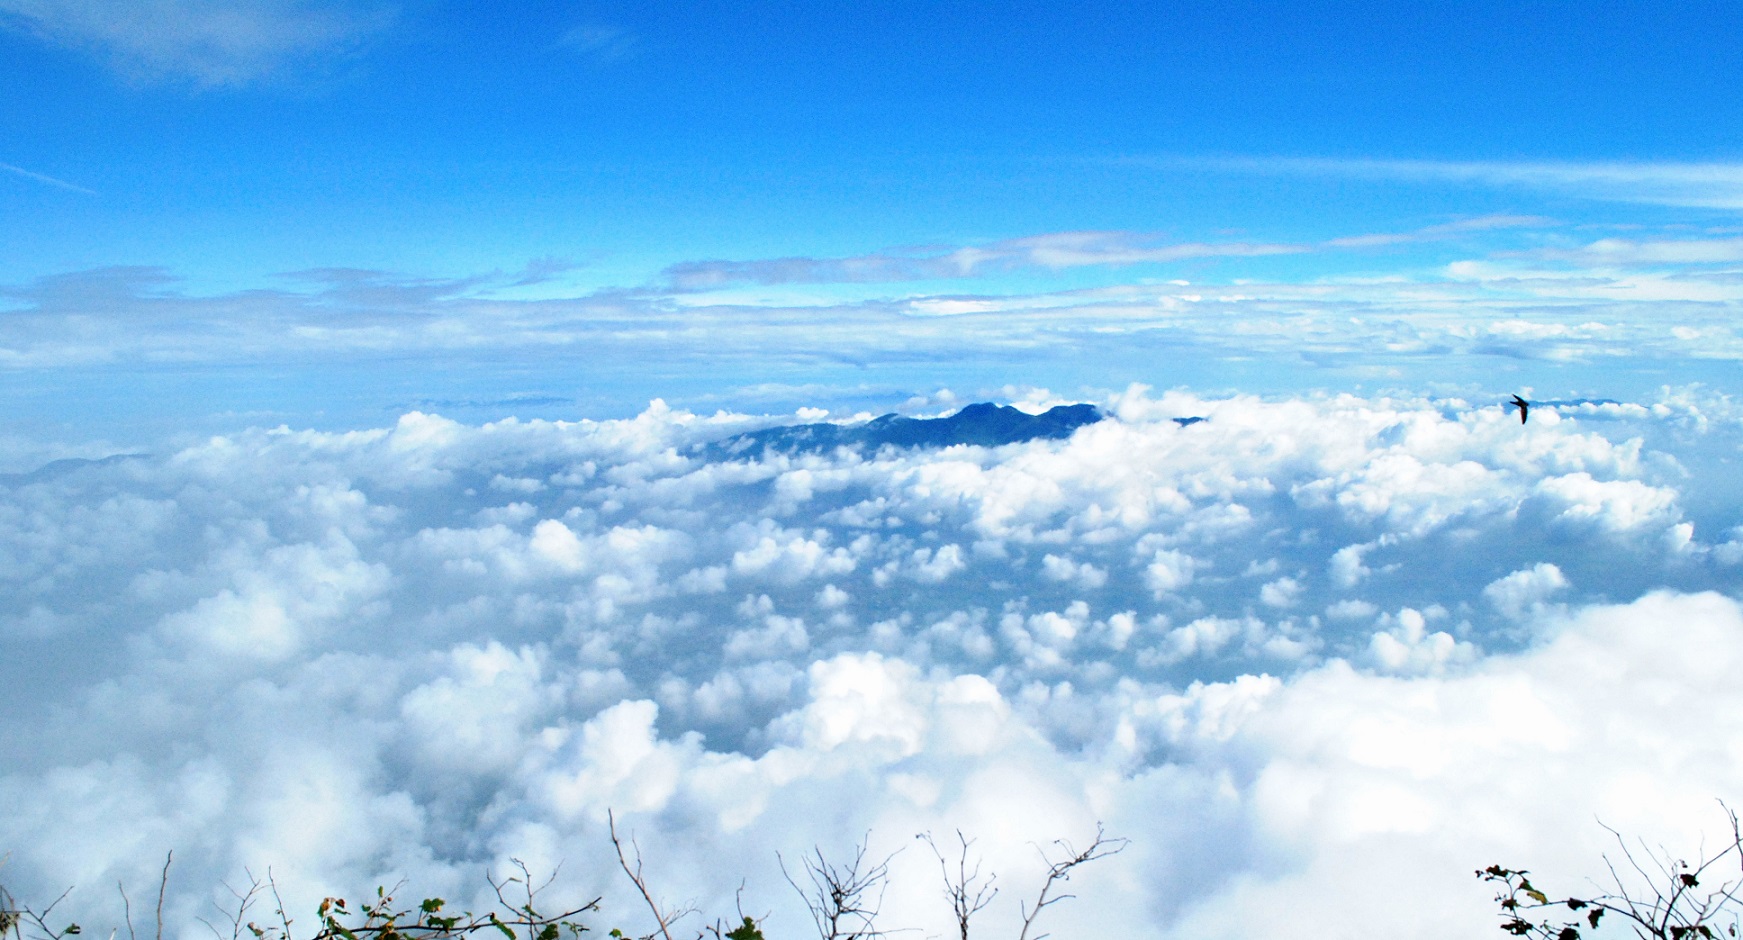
(965, 891)
(840, 898)
(1059, 871)
(162, 887)
(662, 918)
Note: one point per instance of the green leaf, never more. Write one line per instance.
(745, 931)
(431, 905)
(1536, 895)
(72, 930)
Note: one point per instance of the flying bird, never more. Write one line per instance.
(1523, 406)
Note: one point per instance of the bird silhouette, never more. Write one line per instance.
(1523, 406)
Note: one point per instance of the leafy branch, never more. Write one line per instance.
(844, 897)
(1679, 900)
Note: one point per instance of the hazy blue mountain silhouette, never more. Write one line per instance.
(59, 468)
(983, 424)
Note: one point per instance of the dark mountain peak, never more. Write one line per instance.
(982, 424)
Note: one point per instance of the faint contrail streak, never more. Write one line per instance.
(46, 180)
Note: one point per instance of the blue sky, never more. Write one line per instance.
(438, 139)
(583, 153)
(393, 336)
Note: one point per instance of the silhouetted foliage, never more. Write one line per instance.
(1657, 895)
(843, 896)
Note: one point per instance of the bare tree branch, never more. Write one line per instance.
(664, 919)
(24, 914)
(1060, 871)
(162, 888)
(843, 898)
(244, 901)
(964, 889)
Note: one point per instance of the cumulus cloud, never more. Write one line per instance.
(1516, 594)
(1283, 649)
(200, 41)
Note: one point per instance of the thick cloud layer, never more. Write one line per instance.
(1317, 657)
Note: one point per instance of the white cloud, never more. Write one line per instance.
(1169, 570)
(1409, 648)
(790, 557)
(600, 43)
(1652, 299)
(1061, 568)
(44, 179)
(1205, 636)
(1053, 250)
(1709, 185)
(1280, 593)
(1519, 593)
(202, 41)
(1288, 643)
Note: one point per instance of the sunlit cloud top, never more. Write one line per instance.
(384, 493)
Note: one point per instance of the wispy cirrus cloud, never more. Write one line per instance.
(1461, 227)
(1708, 185)
(1053, 251)
(1609, 317)
(1551, 303)
(45, 179)
(210, 43)
(1624, 251)
(600, 43)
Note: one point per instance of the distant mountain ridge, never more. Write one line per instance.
(62, 467)
(982, 424)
